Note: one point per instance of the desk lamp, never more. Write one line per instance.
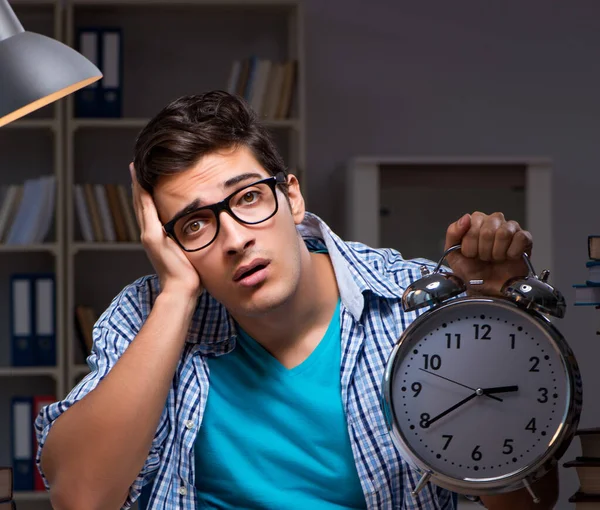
(36, 70)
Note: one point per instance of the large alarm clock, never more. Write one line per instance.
(482, 395)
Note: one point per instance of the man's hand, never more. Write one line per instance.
(491, 250)
(175, 271)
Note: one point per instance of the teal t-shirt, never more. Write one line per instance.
(274, 437)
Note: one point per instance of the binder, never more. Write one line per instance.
(44, 348)
(111, 99)
(22, 443)
(87, 100)
(21, 320)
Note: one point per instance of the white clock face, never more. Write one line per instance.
(479, 391)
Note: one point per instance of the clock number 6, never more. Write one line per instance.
(476, 454)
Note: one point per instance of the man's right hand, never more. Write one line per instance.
(175, 271)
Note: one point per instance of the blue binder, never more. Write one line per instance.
(111, 55)
(44, 347)
(22, 443)
(21, 320)
(87, 100)
(103, 47)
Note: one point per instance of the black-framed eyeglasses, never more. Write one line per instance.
(252, 204)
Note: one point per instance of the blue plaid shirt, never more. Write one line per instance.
(371, 283)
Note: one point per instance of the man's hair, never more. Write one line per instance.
(197, 125)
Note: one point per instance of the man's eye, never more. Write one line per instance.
(249, 197)
(192, 227)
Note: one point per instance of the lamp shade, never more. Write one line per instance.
(36, 70)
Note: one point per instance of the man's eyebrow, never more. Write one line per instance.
(229, 183)
(242, 177)
(193, 205)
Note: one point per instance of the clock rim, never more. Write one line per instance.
(515, 479)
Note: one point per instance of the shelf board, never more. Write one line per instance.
(26, 123)
(33, 2)
(28, 248)
(83, 246)
(139, 123)
(31, 495)
(29, 372)
(215, 3)
(120, 122)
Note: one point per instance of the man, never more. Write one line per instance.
(247, 372)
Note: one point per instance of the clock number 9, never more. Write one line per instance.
(416, 387)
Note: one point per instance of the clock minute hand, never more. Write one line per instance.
(460, 384)
(450, 409)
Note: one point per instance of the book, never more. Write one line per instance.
(587, 295)
(588, 471)
(590, 443)
(6, 484)
(585, 501)
(594, 247)
(593, 268)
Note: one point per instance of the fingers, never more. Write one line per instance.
(457, 230)
(493, 239)
(522, 242)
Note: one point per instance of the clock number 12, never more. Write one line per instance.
(484, 329)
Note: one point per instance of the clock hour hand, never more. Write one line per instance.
(460, 384)
(500, 389)
(450, 409)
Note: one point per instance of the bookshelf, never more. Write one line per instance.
(33, 147)
(187, 29)
(170, 48)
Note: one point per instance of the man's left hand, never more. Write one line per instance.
(491, 250)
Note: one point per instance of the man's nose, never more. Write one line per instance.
(236, 237)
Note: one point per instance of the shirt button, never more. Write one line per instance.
(182, 491)
(189, 424)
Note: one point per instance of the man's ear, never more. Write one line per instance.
(295, 199)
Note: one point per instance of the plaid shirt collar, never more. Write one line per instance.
(354, 278)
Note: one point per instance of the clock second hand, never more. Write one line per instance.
(460, 384)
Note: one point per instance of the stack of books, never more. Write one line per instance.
(269, 87)
(105, 213)
(6, 489)
(27, 211)
(588, 294)
(587, 465)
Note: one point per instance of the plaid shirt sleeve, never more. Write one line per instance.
(112, 334)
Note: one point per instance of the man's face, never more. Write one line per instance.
(272, 246)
